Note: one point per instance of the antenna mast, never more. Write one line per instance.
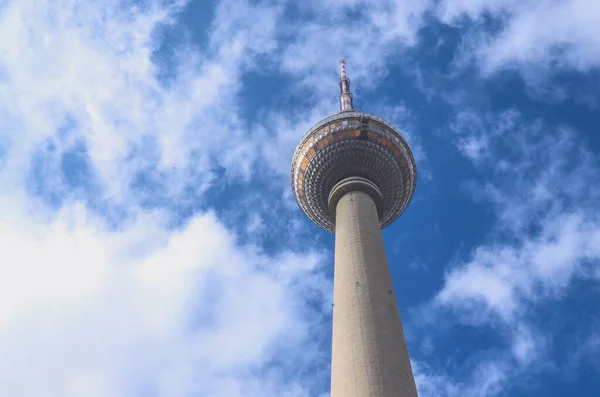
(345, 94)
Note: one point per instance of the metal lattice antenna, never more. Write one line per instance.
(345, 94)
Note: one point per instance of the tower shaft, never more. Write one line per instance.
(369, 357)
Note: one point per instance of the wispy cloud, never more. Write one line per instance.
(546, 235)
(534, 37)
(111, 290)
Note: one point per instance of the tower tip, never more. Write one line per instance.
(346, 102)
(343, 68)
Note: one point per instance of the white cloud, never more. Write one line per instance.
(85, 72)
(546, 218)
(87, 309)
(387, 28)
(533, 34)
(527, 345)
(546, 234)
(487, 379)
(500, 276)
(98, 294)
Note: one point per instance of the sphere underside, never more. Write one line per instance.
(352, 143)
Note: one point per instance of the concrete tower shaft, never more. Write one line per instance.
(369, 354)
(354, 174)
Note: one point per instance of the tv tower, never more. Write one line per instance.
(354, 174)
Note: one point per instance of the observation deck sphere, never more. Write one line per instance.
(352, 143)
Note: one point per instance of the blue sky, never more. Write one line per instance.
(149, 241)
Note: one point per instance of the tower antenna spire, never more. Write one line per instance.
(345, 94)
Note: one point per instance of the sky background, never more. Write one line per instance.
(149, 242)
